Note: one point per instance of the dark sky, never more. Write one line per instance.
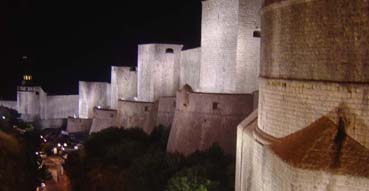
(72, 40)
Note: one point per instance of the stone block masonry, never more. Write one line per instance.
(202, 119)
(103, 119)
(230, 46)
(93, 94)
(311, 131)
(123, 84)
(158, 71)
(62, 106)
(190, 68)
(166, 110)
(137, 114)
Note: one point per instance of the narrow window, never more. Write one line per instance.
(215, 105)
(257, 34)
(146, 108)
(169, 51)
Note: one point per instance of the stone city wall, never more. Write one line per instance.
(248, 46)
(288, 106)
(31, 103)
(166, 109)
(136, 114)
(9, 104)
(78, 125)
(219, 33)
(203, 119)
(123, 84)
(190, 68)
(259, 168)
(62, 106)
(93, 94)
(51, 123)
(158, 71)
(306, 40)
(103, 119)
(230, 46)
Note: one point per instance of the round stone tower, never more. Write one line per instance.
(314, 59)
(311, 129)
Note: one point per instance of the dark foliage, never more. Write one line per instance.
(18, 162)
(130, 160)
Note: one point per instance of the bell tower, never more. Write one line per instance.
(27, 73)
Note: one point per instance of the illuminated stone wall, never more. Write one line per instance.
(62, 106)
(137, 114)
(158, 71)
(259, 168)
(92, 94)
(229, 50)
(248, 46)
(123, 84)
(78, 125)
(190, 68)
(305, 40)
(286, 106)
(31, 103)
(9, 104)
(324, 65)
(51, 123)
(202, 119)
(166, 109)
(103, 119)
(311, 67)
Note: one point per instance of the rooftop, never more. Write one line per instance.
(324, 145)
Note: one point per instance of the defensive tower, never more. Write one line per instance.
(311, 131)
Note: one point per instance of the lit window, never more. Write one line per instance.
(27, 77)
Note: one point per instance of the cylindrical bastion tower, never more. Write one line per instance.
(311, 129)
(314, 58)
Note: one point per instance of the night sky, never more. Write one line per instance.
(71, 40)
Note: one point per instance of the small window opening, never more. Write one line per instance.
(169, 51)
(37, 93)
(215, 105)
(257, 34)
(146, 108)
